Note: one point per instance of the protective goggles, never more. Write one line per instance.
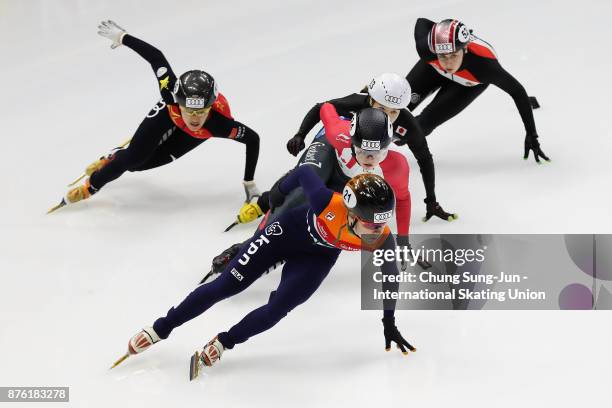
(371, 225)
(196, 112)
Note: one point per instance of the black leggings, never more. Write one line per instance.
(158, 141)
(451, 98)
(321, 156)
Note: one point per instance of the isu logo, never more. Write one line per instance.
(393, 99)
(253, 248)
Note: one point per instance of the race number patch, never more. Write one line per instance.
(348, 195)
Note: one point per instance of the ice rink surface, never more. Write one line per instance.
(76, 285)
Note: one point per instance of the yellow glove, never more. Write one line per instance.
(249, 212)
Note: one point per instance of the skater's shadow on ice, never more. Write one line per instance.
(142, 195)
(288, 361)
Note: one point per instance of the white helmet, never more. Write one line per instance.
(390, 90)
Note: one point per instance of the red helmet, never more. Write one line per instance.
(448, 36)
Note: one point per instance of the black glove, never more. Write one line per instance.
(392, 334)
(434, 209)
(296, 144)
(531, 143)
(402, 241)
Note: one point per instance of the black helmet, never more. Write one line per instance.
(448, 36)
(370, 198)
(195, 89)
(371, 129)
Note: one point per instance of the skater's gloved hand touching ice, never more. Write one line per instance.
(404, 243)
(392, 334)
(112, 31)
(531, 143)
(296, 144)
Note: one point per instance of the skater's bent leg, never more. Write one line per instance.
(169, 150)
(300, 279)
(423, 80)
(142, 145)
(448, 102)
(255, 257)
(201, 299)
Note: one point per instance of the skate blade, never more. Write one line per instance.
(81, 177)
(121, 360)
(57, 207)
(207, 277)
(232, 225)
(194, 366)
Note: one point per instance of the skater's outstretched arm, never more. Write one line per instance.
(343, 105)
(337, 131)
(490, 70)
(160, 65)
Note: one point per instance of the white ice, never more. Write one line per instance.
(77, 284)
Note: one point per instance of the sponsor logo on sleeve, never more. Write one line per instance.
(321, 228)
(274, 229)
(161, 71)
(330, 216)
(158, 107)
(237, 274)
(343, 138)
